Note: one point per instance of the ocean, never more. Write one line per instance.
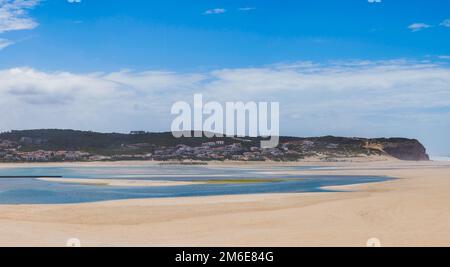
(440, 158)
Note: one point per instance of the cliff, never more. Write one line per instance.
(404, 149)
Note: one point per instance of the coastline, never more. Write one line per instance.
(231, 163)
(410, 211)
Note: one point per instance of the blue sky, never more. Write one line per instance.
(353, 67)
(109, 35)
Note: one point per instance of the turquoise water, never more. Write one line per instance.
(33, 191)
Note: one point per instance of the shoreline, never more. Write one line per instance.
(306, 161)
(387, 163)
(309, 162)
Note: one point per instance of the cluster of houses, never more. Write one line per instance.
(11, 152)
(13, 155)
(218, 150)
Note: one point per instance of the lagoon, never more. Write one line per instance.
(17, 188)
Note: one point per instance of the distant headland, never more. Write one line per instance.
(53, 145)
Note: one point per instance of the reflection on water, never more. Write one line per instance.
(32, 191)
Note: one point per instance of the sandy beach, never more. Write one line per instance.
(412, 210)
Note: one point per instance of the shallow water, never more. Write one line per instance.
(33, 191)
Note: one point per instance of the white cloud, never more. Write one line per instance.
(5, 43)
(358, 97)
(341, 77)
(74, 1)
(415, 27)
(215, 11)
(14, 15)
(374, 1)
(445, 57)
(446, 23)
(104, 101)
(246, 8)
